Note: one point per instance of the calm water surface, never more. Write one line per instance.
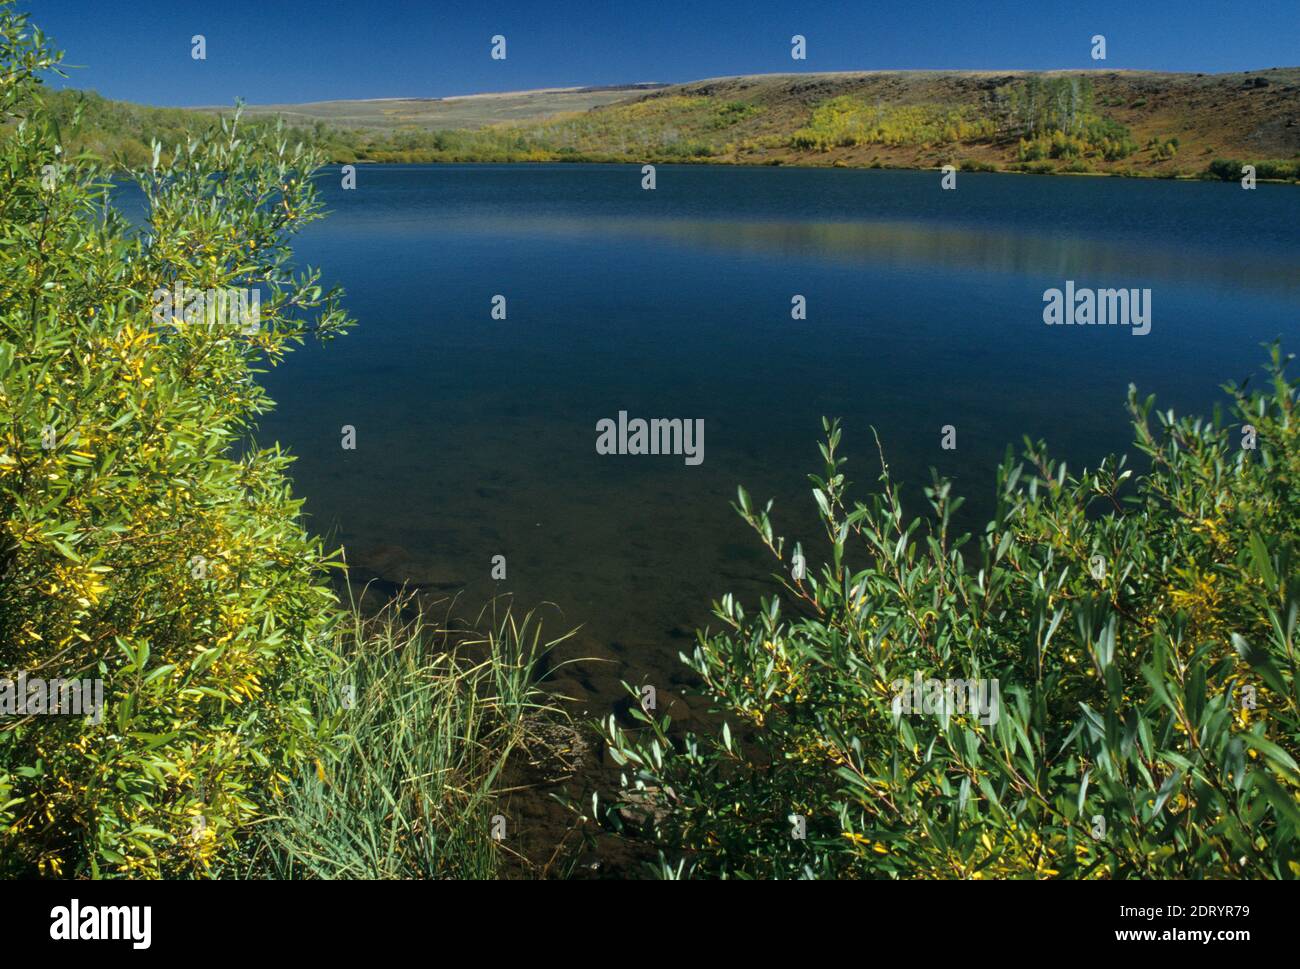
(477, 437)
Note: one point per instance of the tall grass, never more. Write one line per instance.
(428, 716)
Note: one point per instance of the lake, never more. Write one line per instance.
(476, 437)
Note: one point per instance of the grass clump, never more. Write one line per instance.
(428, 718)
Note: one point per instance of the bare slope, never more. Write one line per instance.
(470, 111)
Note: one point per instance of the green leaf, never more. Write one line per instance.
(1262, 561)
(822, 503)
(1276, 755)
(1261, 663)
(1285, 804)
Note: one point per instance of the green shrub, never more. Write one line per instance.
(1163, 149)
(1103, 138)
(847, 121)
(1031, 151)
(1279, 170)
(1141, 628)
(138, 543)
(1229, 169)
(729, 113)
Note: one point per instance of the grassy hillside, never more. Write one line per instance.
(1116, 122)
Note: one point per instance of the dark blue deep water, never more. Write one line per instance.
(476, 437)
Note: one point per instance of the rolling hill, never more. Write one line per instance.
(1111, 122)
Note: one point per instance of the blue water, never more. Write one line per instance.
(476, 437)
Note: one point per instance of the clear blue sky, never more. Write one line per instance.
(271, 51)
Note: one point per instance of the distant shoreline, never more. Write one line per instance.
(711, 163)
